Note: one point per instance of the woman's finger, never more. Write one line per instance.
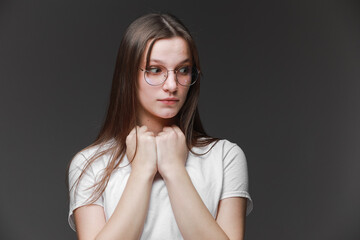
(150, 133)
(143, 128)
(160, 133)
(177, 130)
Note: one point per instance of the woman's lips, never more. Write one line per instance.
(169, 102)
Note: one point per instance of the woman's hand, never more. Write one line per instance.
(172, 151)
(145, 158)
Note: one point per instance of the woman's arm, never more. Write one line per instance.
(231, 216)
(89, 221)
(192, 216)
(128, 219)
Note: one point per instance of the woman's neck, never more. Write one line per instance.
(156, 125)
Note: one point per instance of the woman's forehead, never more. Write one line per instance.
(168, 50)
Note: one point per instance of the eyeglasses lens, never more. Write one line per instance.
(185, 75)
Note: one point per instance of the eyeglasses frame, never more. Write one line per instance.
(167, 75)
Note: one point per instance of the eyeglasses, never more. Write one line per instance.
(157, 75)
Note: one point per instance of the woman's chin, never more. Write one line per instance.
(168, 115)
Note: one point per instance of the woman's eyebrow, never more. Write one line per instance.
(161, 62)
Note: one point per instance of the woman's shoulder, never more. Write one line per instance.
(222, 145)
(99, 151)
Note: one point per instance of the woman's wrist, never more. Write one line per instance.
(172, 172)
(146, 174)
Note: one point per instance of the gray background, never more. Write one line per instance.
(281, 79)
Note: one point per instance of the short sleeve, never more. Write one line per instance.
(80, 194)
(235, 177)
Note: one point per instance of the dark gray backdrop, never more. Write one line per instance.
(281, 80)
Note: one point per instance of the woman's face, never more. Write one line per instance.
(170, 53)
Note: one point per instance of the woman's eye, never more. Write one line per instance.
(155, 70)
(184, 70)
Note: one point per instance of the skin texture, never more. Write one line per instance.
(161, 148)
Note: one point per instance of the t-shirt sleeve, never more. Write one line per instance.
(235, 177)
(79, 195)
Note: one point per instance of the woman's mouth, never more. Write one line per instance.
(168, 102)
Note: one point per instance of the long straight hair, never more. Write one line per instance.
(122, 109)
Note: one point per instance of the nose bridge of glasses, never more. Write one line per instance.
(169, 81)
(171, 70)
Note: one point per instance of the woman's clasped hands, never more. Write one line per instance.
(167, 152)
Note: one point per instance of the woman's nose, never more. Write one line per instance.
(170, 83)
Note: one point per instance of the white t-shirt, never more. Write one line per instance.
(219, 174)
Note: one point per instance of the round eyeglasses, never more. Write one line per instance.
(157, 75)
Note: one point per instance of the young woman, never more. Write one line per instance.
(153, 172)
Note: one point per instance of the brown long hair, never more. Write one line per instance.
(122, 109)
